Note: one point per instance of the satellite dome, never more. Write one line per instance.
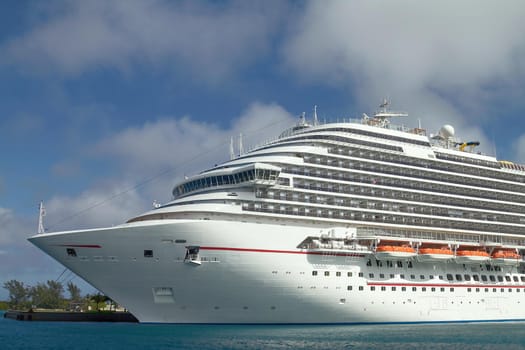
(446, 131)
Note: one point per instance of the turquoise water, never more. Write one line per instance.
(95, 336)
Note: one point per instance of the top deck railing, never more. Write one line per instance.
(371, 121)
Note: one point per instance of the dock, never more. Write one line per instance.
(67, 316)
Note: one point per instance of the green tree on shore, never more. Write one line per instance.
(19, 294)
(98, 299)
(48, 295)
(74, 293)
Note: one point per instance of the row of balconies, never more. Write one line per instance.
(380, 217)
(389, 181)
(377, 204)
(418, 173)
(405, 196)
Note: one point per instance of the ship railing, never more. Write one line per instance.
(367, 121)
(459, 238)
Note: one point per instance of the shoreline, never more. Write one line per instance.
(67, 316)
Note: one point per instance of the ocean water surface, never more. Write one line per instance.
(94, 336)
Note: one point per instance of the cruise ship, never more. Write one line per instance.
(353, 222)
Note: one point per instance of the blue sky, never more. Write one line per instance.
(99, 98)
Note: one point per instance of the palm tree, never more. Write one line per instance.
(97, 299)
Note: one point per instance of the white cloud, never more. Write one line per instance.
(7, 226)
(105, 204)
(438, 60)
(519, 148)
(210, 39)
(182, 146)
(19, 259)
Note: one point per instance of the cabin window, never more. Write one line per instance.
(327, 273)
(484, 278)
(314, 273)
(361, 287)
(372, 288)
(349, 274)
(148, 253)
(458, 277)
(450, 277)
(348, 287)
(475, 277)
(500, 278)
(467, 277)
(71, 252)
(522, 278)
(338, 273)
(507, 278)
(515, 278)
(360, 274)
(371, 275)
(383, 288)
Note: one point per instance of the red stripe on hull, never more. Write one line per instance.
(80, 245)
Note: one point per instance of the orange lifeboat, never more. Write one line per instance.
(393, 250)
(505, 256)
(471, 255)
(435, 254)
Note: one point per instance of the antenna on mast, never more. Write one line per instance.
(41, 214)
(232, 152)
(241, 148)
(315, 115)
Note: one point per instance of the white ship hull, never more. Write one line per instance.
(322, 225)
(254, 273)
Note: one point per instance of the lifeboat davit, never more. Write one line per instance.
(471, 255)
(389, 251)
(435, 254)
(501, 256)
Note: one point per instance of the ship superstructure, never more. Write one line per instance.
(349, 222)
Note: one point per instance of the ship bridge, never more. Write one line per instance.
(253, 174)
